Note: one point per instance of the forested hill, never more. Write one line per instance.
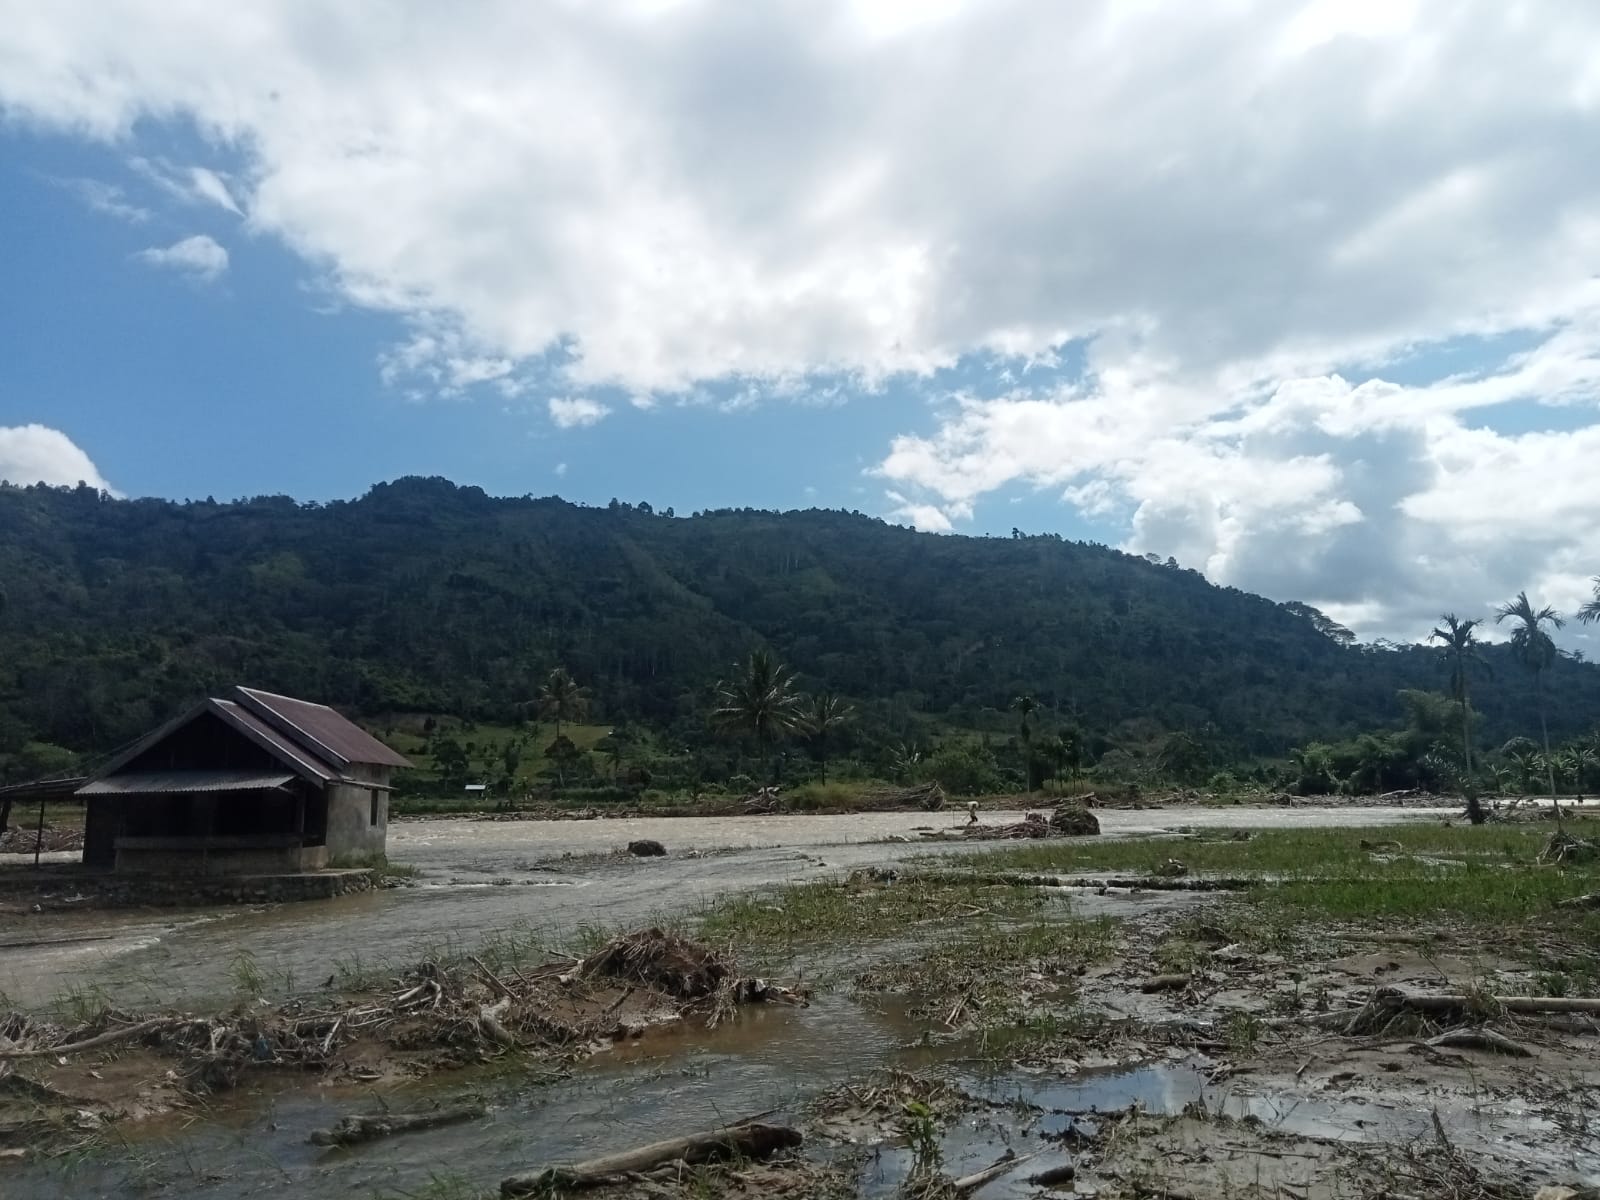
(422, 596)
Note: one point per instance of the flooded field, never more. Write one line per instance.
(1155, 1041)
(478, 877)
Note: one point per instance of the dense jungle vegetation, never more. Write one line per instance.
(422, 597)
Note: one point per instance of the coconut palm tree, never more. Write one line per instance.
(1461, 651)
(561, 699)
(824, 714)
(1590, 612)
(1535, 650)
(759, 701)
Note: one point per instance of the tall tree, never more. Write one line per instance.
(1025, 706)
(1535, 650)
(561, 699)
(1590, 612)
(759, 701)
(1460, 645)
(823, 715)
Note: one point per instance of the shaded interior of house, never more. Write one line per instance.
(247, 783)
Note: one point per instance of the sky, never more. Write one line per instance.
(1306, 296)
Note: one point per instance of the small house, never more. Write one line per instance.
(244, 783)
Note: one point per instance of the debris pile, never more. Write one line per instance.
(929, 797)
(1564, 850)
(763, 802)
(1074, 820)
(17, 840)
(431, 1016)
(1069, 819)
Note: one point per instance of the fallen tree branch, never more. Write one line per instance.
(489, 1022)
(971, 1183)
(748, 1139)
(352, 1131)
(1511, 1004)
(1480, 1039)
(109, 1038)
(1592, 900)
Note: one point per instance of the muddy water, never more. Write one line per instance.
(767, 1060)
(480, 877)
(671, 1083)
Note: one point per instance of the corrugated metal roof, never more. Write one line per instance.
(321, 729)
(41, 789)
(306, 761)
(164, 783)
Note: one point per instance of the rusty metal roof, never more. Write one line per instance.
(289, 752)
(162, 783)
(320, 729)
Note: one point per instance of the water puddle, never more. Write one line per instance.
(768, 1060)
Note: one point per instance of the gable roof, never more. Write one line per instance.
(310, 740)
(319, 728)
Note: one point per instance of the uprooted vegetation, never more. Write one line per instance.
(1345, 973)
(432, 1016)
(1404, 1011)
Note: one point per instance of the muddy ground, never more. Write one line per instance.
(1156, 1042)
(483, 879)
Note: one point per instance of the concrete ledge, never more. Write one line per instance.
(57, 887)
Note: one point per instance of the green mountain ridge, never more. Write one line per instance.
(422, 596)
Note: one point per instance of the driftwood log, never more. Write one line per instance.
(1390, 1002)
(1510, 1004)
(110, 1038)
(747, 1139)
(1480, 1039)
(1005, 1165)
(352, 1131)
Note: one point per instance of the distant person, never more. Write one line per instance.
(972, 812)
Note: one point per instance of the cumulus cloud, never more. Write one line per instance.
(39, 454)
(576, 412)
(1236, 208)
(199, 257)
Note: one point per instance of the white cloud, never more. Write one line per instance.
(1232, 204)
(191, 185)
(576, 412)
(107, 199)
(209, 186)
(1201, 183)
(928, 518)
(39, 454)
(199, 257)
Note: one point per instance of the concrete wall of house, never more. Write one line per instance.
(358, 814)
(177, 859)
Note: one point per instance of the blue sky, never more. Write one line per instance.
(1257, 288)
(260, 382)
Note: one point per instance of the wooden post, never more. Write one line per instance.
(38, 837)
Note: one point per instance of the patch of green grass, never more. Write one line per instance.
(810, 913)
(1487, 873)
(1283, 853)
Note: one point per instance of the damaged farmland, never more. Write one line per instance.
(1316, 1014)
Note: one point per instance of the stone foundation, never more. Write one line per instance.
(75, 887)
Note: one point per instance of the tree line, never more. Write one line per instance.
(422, 597)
